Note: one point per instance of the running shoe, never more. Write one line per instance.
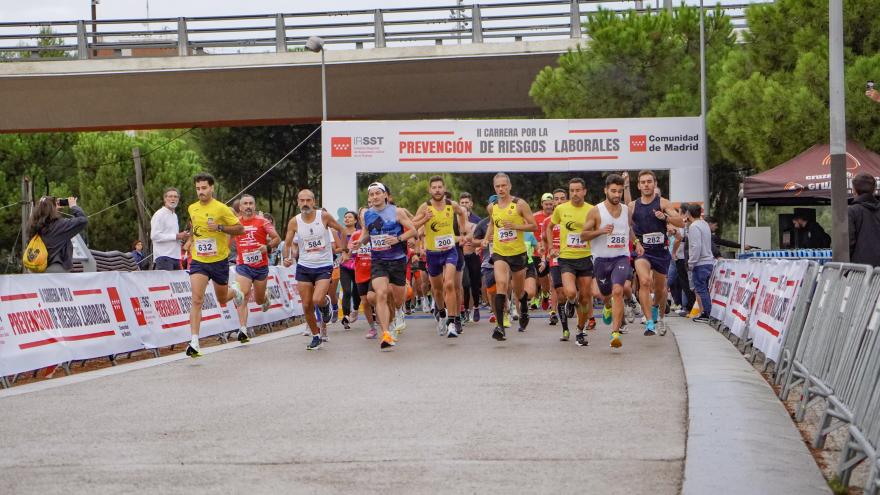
(476, 315)
(334, 315)
(606, 315)
(649, 328)
(644, 320)
(243, 337)
(466, 316)
(387, 341)
(591, 323)
(192, 352)
(237, 294)
(581, 339)
(655, 313)
(615, 340)
(524, 322)
(325, 313)
(401, 323)
(372, 334)
(514, 314)
(315, 343)
(662, 327)
(498, 334)
(353, 317)
(492, 318)
(451, 331)
(570, 308)
(565, 335)
(506, 321)
(345, 324)
(545, 303)
(553, 318)
(703, 319)
(458, 326)
(265, 306)
(441, 327)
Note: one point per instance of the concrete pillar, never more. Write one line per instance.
(476, 25)
(379, 26)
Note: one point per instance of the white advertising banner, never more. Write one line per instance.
(160, 302)
(743, 297)
(721, 287)
(280, 306)
(527, 145)
(781, 283)
(287, 278)
(49, 319)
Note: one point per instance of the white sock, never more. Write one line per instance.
(194, 342)
(243, 330)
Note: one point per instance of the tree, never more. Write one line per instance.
(642, 65)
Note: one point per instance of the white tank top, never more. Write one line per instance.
(313, 239)
(614, 244)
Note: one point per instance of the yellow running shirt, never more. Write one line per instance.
(439, 235)
(507, 242)
(208, 246)
(571, 222)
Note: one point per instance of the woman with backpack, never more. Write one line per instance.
(56, 232)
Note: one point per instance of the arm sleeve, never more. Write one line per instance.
(725, 242)
(70, 227)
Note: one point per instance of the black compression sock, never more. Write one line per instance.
(500, 303)
(524, 304)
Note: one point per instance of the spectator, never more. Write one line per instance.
(873, 94)
(57, 232)
(864, 221)
(140, 258)
(700, 259)
(717, 241)
(808, 234)
(165, 233)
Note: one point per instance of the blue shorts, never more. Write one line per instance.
(488, 277)
(257, 274)
(459, 264)
(217, 271)
(610, 272)
(438, 259)
(313, 275)
(659, 259)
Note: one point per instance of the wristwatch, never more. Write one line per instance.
(220, 228)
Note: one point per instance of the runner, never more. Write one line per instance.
(650, 214)
(211, 221)
(252, 263)
(309, 235)
(362, 264)
(383, 229)
(511, 217)
(547, 205)
(575, 262)
(550, 234)
(608, 230)
(351, 299)
(471, 282)
(436, 215)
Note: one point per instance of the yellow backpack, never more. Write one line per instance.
(35, 258)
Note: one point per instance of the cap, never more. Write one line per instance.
(546, 196)
(377, 185)
(493, 198)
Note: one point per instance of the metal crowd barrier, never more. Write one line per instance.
(831, 349)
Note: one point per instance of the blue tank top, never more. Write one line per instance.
(383, 225)
(650, 230)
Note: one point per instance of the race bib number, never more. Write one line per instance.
(379, 242)
(252, 257)
(206, 247)
(653, 239)
(574, 240)
(364, 250)
(444, 242)
(315, 244)
(617, 241)
(507, 235)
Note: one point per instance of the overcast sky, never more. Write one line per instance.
(61, 10)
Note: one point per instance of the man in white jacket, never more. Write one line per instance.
(165, 233)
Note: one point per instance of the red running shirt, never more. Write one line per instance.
(256, 234)
(363, 259)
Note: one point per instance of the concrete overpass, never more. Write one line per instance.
(490, 79)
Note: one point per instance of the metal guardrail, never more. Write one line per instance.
(376, 28)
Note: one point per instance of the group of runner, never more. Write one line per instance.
(445, 259)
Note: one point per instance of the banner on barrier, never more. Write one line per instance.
(748, 279)
(281, 304)
(160, 303)
(54, 318)
(721, 287)
(781, 283)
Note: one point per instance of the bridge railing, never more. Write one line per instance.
(374, 28)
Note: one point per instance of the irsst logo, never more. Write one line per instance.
(638, 143)
(340, 147)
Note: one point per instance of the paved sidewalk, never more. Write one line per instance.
(435, 415)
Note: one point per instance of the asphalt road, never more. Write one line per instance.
(435, 415)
